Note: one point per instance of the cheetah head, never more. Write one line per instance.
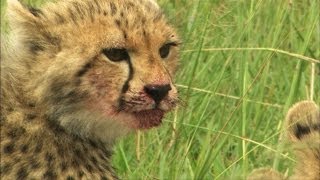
(98, 67)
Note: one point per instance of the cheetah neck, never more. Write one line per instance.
(49, 150)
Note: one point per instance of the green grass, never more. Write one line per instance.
(243, 63)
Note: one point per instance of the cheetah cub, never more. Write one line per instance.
(77, 74)
(303, 132)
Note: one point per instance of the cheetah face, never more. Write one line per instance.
(132, 82)
(129, 77)
(96, 63)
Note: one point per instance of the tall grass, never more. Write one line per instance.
(243, 63)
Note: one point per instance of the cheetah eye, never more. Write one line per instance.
(115, 54)
(165, 50)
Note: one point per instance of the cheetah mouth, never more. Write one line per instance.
(147, 119)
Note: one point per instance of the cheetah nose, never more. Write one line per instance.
(157, 92)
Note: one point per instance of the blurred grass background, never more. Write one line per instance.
(243, 64)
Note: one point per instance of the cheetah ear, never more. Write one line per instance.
(22, 17)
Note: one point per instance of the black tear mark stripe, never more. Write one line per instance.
(125, 87)
(301, 130)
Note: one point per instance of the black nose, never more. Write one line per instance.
(157, 92)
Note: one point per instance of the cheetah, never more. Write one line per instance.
(75, 76)
(303, 132)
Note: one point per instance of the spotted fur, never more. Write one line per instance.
(303, 133)
(64, 100)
